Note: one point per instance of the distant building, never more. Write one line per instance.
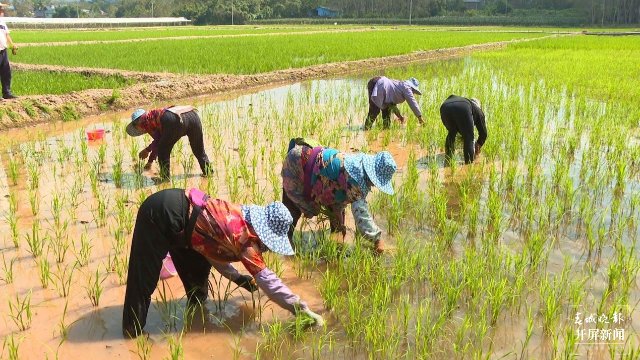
(45, 12)
(473, 4)
(325, 12)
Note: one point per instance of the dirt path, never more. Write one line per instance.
(159, 87)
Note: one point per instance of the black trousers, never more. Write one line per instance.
(5, 73)
(172, 130)
(457, 117)
(374, 110)
(296, 213)
(160, 227)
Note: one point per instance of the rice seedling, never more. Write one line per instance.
(63, 279)
(44, 271)
(12, 219)
(35, 239)
(99, 212)
(83, 253)
(120, 266)
(13, 169)
(143, 347)
(167, 308)
(20, 311)
(62, 326)
(94, 287)
(176, 347)
(117, 169)
(12, 344)
(7, 270)
(34, 201)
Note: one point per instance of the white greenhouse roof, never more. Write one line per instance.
(94, 21)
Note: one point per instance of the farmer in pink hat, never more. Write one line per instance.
(384, 96)
(319, 180)
(200, 232)
(166, 126)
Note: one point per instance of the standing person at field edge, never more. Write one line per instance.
(200, 232)
(323, 180)
(459, 115)
(5, 67)
(166, 126)
(385, 94)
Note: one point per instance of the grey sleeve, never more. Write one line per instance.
(411, 100)
(225, 269)
(364, 221)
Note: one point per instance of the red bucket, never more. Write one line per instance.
(96, 134)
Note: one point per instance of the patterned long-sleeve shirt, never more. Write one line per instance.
(332, 189)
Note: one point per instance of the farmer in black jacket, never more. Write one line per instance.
(459, 115)
(166, 126)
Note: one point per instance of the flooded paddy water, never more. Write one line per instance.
(497, 259)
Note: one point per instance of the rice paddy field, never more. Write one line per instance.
(529, 253)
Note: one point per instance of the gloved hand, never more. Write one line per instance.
(420, 120)
(378, 247)
(246, 282)
(14, 50)
(318, 320)
(144, 154)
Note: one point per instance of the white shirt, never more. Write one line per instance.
(4, 31)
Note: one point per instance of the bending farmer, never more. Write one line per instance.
(166, 126)
(200, 232)
(459, 115)
(385, 94)
(323, 180)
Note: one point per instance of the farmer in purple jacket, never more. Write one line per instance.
(200, 232)
(385, 94)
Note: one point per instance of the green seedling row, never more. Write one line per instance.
(46, 82)
(255, 54)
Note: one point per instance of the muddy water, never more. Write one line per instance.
(241, 131)
(55, 153)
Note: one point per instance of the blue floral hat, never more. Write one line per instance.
(353, 165)
(271, 224)
(132, 128)
(414, 84)
(379, 168)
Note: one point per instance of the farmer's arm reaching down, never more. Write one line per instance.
(364, 221)
(480, 123)
(273, 287)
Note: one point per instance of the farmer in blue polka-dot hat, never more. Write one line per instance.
(200, 232)
(323, 180)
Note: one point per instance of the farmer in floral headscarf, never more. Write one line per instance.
(166, 126)
(323, 180)
(200, 232)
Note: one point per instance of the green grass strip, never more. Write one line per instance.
(254, 55)
(45, 82)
